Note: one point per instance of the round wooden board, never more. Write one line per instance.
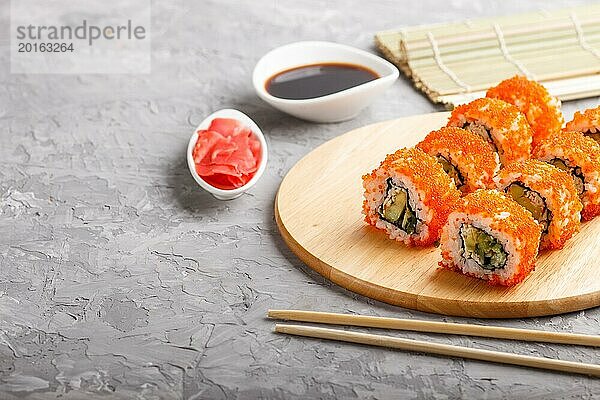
(318, 211)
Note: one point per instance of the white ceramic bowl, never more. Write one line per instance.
(223, 194)
(335, 107)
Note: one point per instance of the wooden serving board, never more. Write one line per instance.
(318, 211)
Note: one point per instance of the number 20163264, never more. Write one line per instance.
(26, 47)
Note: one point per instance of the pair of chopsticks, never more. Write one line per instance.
(437, 348)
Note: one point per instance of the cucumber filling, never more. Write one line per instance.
(574, 171)
(452, 171)
(482, 131)
(396, 209)
(482, 248)
(532, 201)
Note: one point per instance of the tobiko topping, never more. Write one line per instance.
(227, 154)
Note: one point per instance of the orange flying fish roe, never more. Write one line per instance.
(472, 155)
(587, 122)
(510, 131)
(559, 192)
(437, 191)
(579, 151)
(507, 217)
(540, 108)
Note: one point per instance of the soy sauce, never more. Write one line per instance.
(316, 80)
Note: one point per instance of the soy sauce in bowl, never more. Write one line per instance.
(317, 80)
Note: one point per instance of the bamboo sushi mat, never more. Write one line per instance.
(456, 63)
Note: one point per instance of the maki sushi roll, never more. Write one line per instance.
(549, 194)
(540, 108)
(466, 157)
(499, 123)
(587, 123)
(579, 156)
(409, 196)
(490, 237)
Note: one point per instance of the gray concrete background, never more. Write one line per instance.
(120, 278)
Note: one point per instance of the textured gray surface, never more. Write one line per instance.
(119, 277)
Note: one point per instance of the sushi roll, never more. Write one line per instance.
(409, 196)
(549, 194)
(540, 108)
(587, 123)
(499, 123)
(580, 156)
(466, 157)
(490, 237)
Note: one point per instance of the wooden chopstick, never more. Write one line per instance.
(440, 349)
(436, 327)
